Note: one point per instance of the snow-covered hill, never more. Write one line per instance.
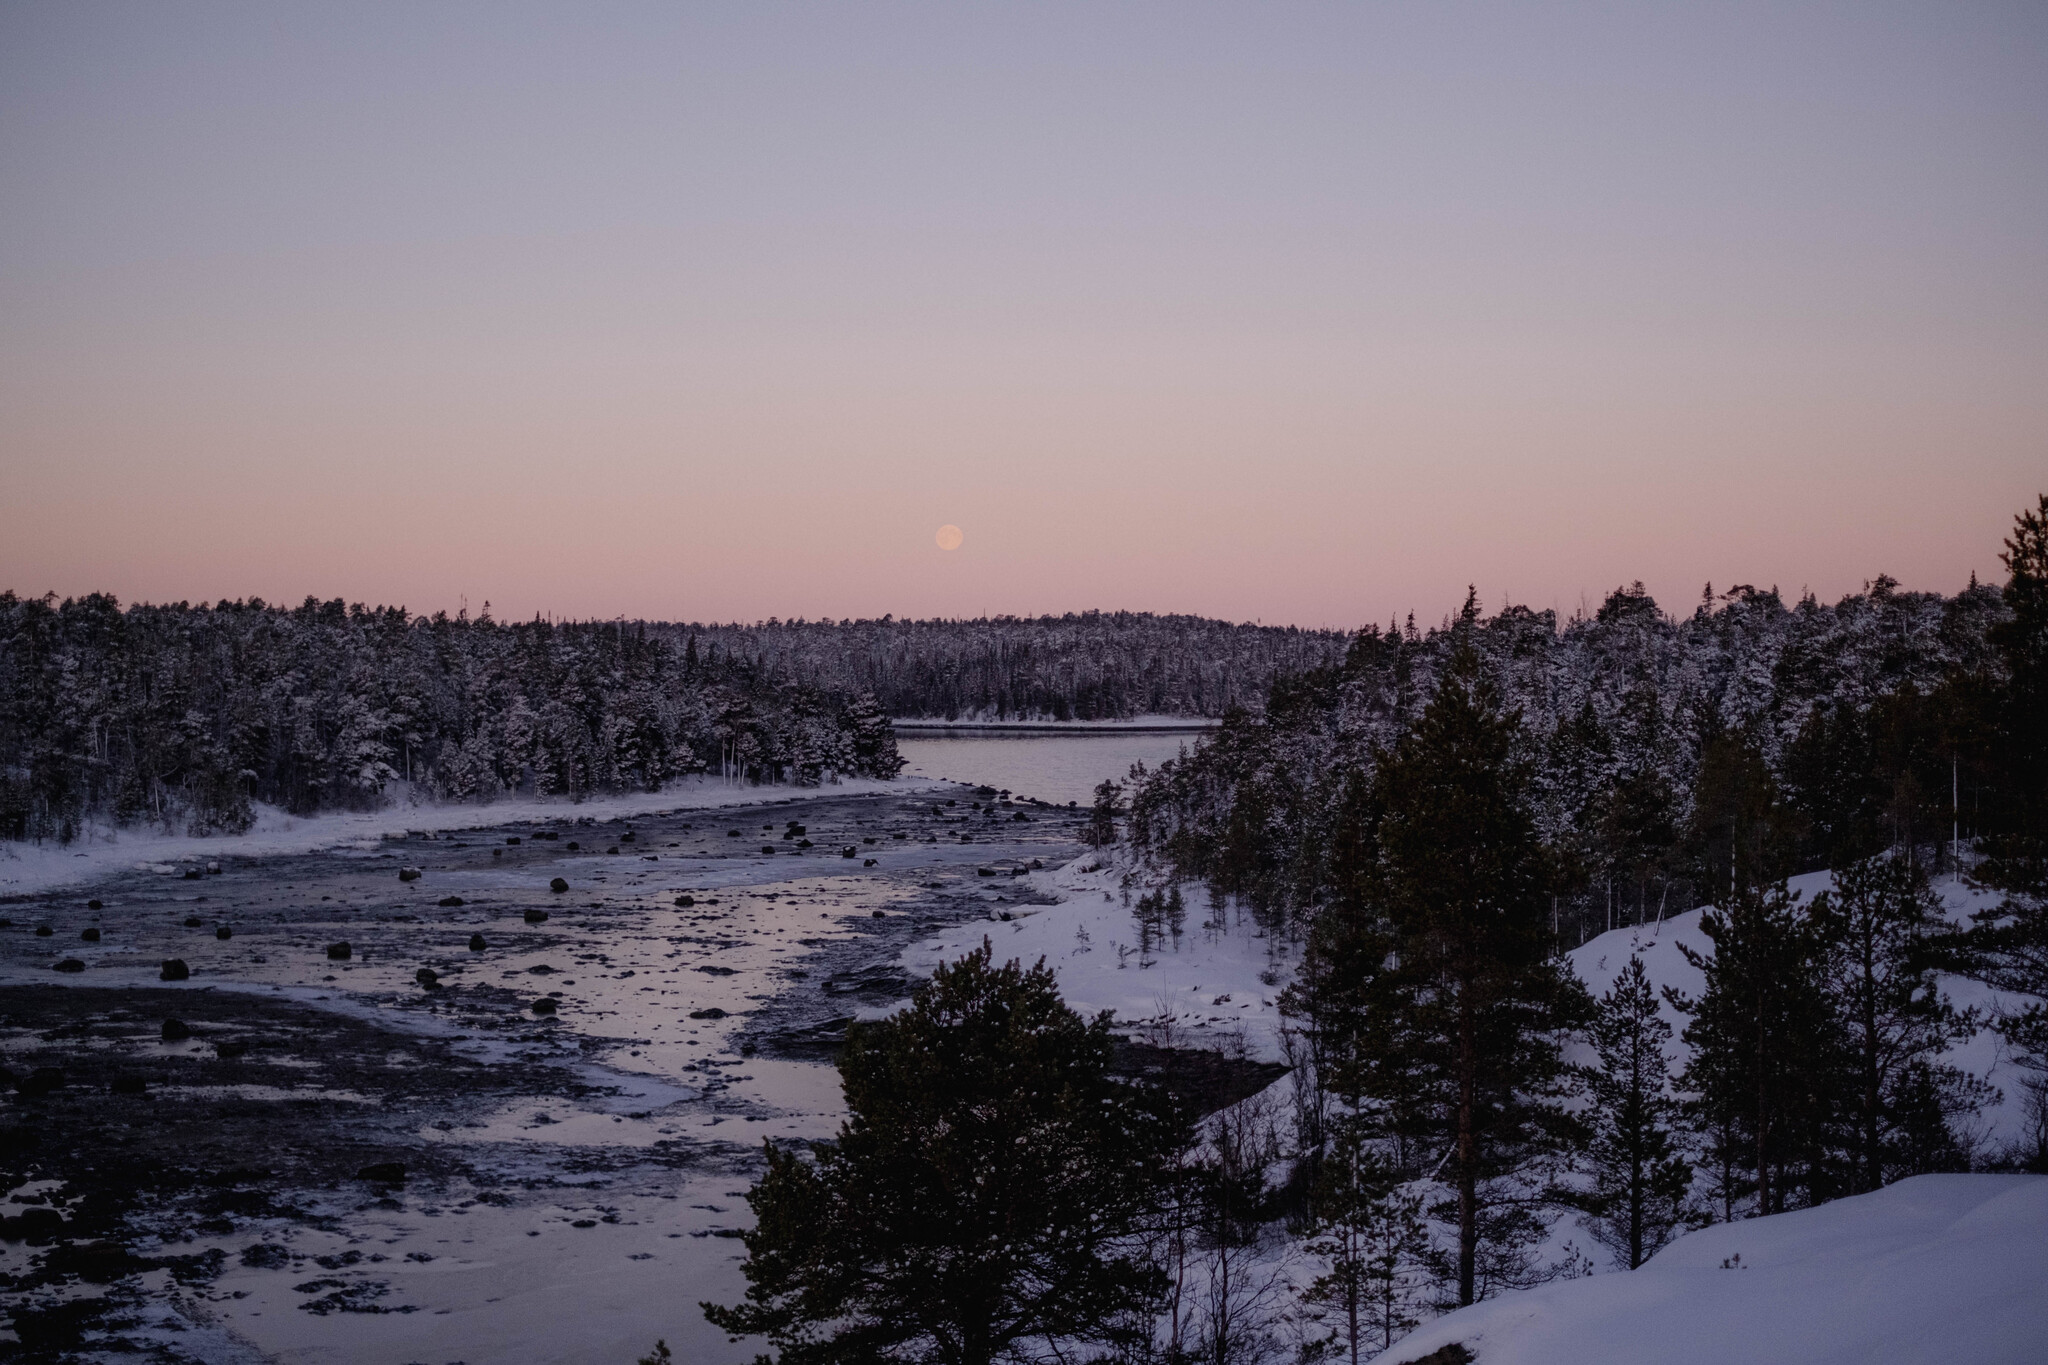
(1933, 1270)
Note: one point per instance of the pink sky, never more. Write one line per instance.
(1299, 313)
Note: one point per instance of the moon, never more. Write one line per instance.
(949, 537)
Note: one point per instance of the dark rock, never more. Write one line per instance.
(540, 969)
(536, 917)
(713, 1013)
(44, 931)
(558, 885)
(37, 1227)
(868, 862)
(128, 1085)
(94, 1262)
(543, 1006)
(70, 964)
(685, 902)
(193, 921)
(627, 837)
(984, 872)
(584, 1223)
(427, 977)
(193, 874)
(476, 943)
(383, 1173)
(91, 935)
(174, 969)
(732, 834)
(849, 852)
(573, 846)
(266, 1256)
(513, 840)
(41, 1081)
(94, 905)
(449, 901)
(223, 933)
(339, 952)
(878, 914)
(408, 874)
(176, 1030)
(717, 971)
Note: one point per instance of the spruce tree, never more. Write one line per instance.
(1641, 1179)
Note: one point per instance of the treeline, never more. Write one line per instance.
(184, 715)
(1087, 666)
(1644, 740)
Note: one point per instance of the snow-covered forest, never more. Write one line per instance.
(1636, 729)
(1082, 666)
(184, 715)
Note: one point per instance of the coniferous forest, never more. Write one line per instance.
(183, 716)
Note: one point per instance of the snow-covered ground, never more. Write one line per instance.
(1932, 1270)
(102, 851)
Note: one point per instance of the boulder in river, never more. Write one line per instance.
(43, 1080)
(428, 977)
(383, 1173)
(174, 969)
(193, 921)
(558, 885)
(536, 917)
(94, 905)
(476, 943)
(223, 933)
(91, 935)
(339, 952)
(713, 1013)
(449, 901)
(44, 931)
(408, 874)
(176, 1030)
(543, 1006)
(70, 964)
(849, 852)
(685, 902)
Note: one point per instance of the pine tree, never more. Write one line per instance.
(1763, 1044)
(1884, 938)
(1370, 1234)
(989, 1186)
(1641, 1179)
(1485, 1000)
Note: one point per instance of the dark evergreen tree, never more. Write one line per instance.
(987, 1191)
(1483, 1000)
(1639, 1198)
(1883, 938)
(1763, 1046)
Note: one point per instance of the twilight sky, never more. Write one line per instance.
(1308, 313)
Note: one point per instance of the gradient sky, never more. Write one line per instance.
(1308, 313)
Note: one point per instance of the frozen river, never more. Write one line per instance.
(325, 1159)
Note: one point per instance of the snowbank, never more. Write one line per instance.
(1940, 1268)
(38, 867)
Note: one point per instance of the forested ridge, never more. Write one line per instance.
(182, 716)
(1638, 731)
(1091, 665)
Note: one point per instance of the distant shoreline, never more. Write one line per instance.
(1144, 725)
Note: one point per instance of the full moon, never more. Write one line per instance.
(949, 537)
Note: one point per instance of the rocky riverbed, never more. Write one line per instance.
(488, 1095)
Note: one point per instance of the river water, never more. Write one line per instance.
(572, 1179)
(1058, 768)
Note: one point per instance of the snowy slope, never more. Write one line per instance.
(1940, 1268)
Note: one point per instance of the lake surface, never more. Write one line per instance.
(1056, 768)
